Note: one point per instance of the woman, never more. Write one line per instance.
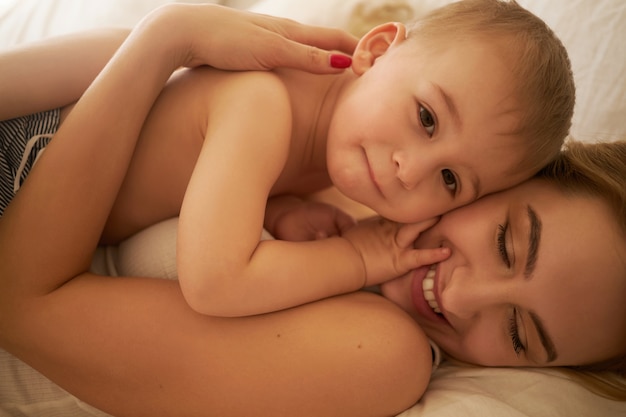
(527, 267)
(107, 340)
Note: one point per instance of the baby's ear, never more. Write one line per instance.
(375, 43)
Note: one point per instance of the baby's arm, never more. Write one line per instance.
(53, 72)
(223, 268)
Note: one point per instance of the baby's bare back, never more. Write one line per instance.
(169, 144)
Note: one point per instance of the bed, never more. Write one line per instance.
(592, 30)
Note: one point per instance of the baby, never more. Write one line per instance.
(474, 98)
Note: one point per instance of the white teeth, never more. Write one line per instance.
(427, 286)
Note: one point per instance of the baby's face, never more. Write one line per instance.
(426, 130)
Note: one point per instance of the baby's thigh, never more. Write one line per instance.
(165, 156)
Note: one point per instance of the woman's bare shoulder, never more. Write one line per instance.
(384, 356)
(351, 355)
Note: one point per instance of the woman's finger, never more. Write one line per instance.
(309, 58)
(330, 39)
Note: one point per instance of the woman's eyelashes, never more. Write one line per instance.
(518, 346)
(501, 243)
(513, 326)
(427, 120)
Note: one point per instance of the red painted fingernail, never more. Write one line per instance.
(340, 61)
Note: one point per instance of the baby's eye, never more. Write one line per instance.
(449, 179)
(427, 120)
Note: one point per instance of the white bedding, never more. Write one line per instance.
(592, 30)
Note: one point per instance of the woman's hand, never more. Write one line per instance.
(232, 39)
(205, 34)
(386, 248)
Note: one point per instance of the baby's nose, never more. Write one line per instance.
(409, 171)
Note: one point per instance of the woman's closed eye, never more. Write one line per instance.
(518, 346)
(427, 120)
(501, 243)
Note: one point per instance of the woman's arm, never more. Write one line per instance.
(50, 230)
(61, 219)
(60, 211)
(53, 72)
(132, 347)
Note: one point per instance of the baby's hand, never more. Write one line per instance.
(386, 248)
(310, 220)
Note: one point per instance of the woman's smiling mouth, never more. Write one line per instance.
(428, 285)
(424, 289)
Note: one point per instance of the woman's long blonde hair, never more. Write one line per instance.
(597, 170)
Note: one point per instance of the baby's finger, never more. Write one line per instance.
(344, 221)
(421, 257)
(409, 232)
(322, 234)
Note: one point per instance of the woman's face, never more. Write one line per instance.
(535, 278)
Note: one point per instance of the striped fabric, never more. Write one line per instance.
(22, 141)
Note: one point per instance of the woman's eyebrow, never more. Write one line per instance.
(544, 337)
(534, 237)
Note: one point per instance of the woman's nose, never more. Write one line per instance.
(465, 297)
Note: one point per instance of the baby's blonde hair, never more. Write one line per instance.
(545, 90)
(596, 170)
